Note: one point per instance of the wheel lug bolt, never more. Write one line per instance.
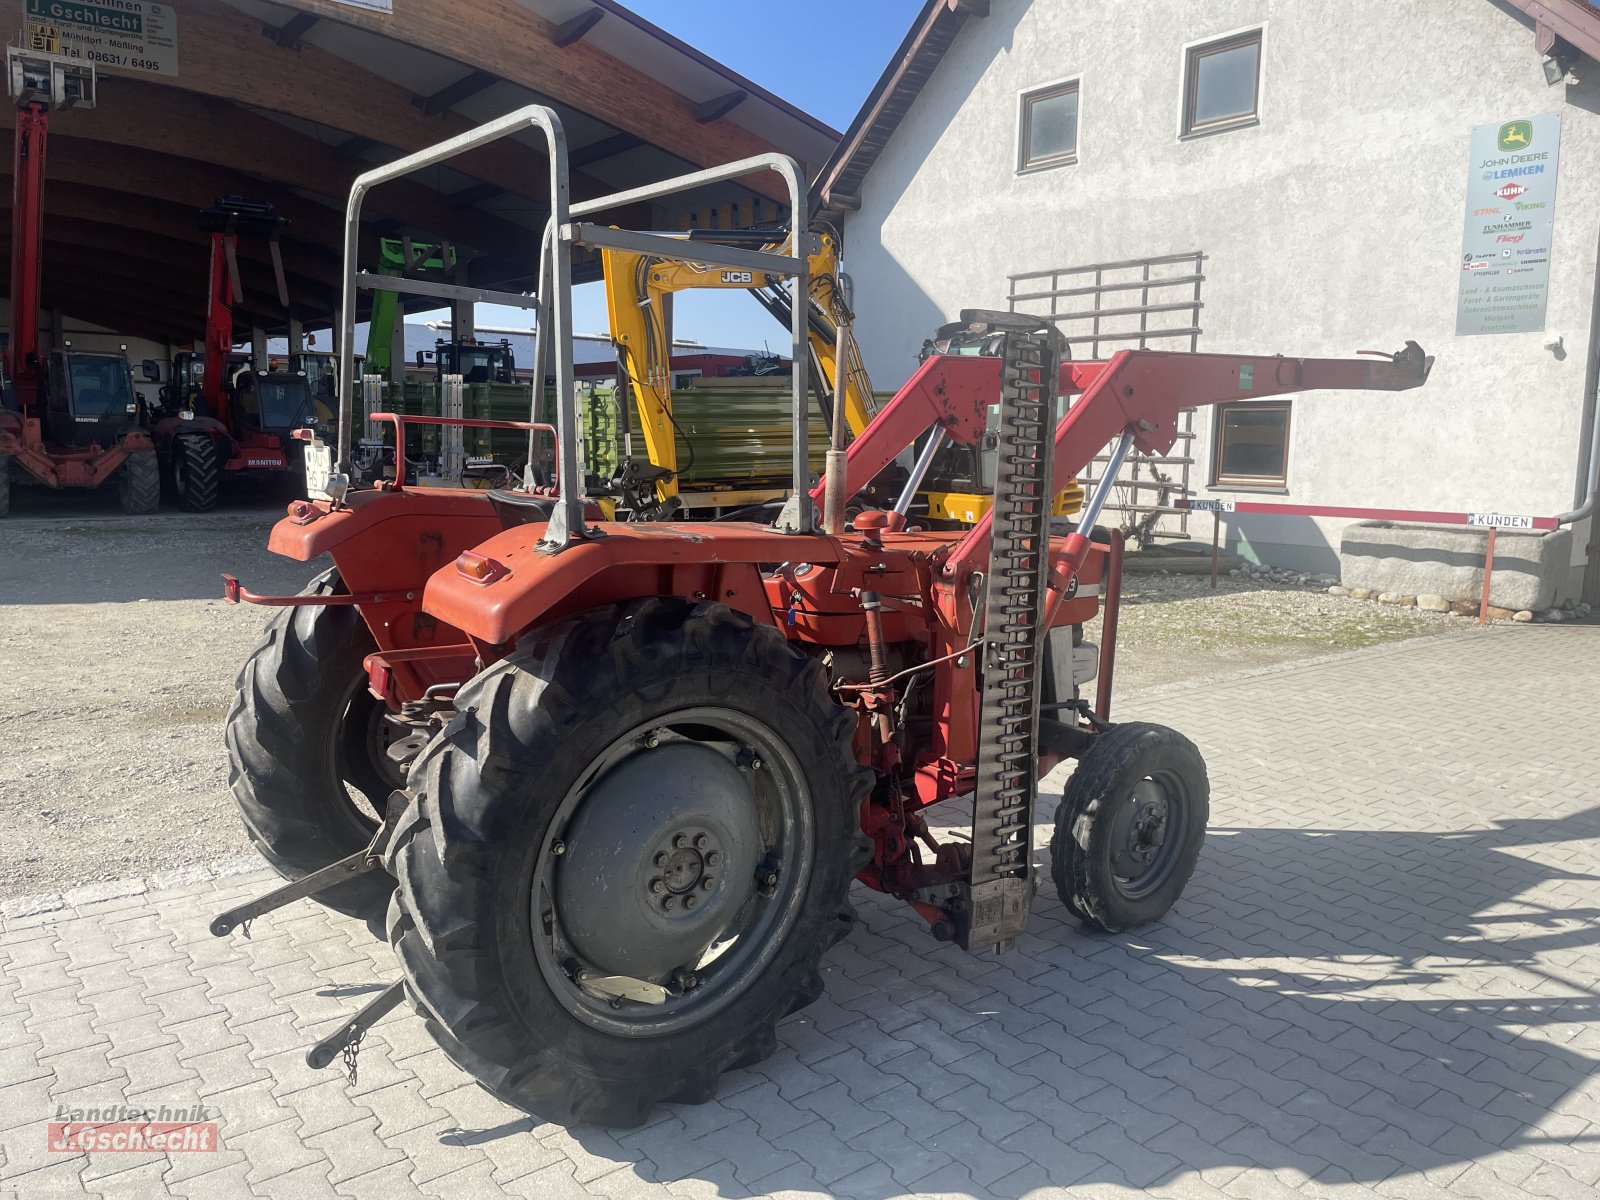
(651, 741)
(657, 886)
(679, 841)
(689, 902)
(669, 902)
(713, 859)
(661, 858)
(701, 841)
(749, 760)
(707, 884)
(558, 848)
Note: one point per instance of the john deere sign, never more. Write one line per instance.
(1511, 210)
(113, 35)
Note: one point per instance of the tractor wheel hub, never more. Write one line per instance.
(659, 859)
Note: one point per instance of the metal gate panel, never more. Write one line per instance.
(1139, 304)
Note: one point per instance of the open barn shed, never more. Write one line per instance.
(288, 102)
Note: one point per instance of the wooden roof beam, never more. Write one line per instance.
(617, 143)
(581, 75)
(150, 116)
(453, 94)
(241, 66)
(720, 106)
(575, 29)
(288, 35)
(475, 194)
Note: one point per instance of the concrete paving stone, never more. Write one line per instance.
(905, 1160)
(765, 1105)
(592, 1152)
(275, 1150)
(71, 1030)
(869, 1039)
(430, 1152)
(672, 1152)
(355, 1151)
(381, 1183)
(154, 1069)
(983, 1160)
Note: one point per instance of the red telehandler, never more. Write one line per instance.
(222, 416)
(69, 419)
(617, 779)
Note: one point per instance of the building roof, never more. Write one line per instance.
(837, 188)
(288, 100)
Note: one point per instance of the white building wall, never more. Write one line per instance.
(1333, 226)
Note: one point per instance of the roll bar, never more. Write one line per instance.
(553, 302)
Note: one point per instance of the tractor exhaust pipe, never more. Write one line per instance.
(835, 463)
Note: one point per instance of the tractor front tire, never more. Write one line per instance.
(139, 483)
(305, 732)
(196, 473)
(1130, 827)
(620, 770)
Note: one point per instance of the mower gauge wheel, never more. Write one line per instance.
(1130, 827)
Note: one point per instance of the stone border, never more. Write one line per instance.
(105, 890)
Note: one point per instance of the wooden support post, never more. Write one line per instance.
(258, 347)
(1216, 549)
(1488, 573)
(297, 336)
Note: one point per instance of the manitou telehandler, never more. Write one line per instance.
(73, 419)
(614, 780)
(222, 416)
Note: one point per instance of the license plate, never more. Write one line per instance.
(319, 465)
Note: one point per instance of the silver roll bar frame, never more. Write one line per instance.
(553, 301)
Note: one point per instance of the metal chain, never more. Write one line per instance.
(351, 1049)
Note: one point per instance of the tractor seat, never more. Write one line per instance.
(519, 508)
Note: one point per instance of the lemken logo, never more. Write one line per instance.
(1515, 135)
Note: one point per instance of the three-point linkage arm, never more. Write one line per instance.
(1140, 392)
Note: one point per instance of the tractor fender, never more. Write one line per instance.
(522, 586)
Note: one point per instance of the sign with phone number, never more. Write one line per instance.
(114, 35)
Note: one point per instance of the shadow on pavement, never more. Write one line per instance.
(1403, 1012)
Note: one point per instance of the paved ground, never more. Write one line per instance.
(1383, 981)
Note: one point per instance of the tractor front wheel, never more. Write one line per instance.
(307, 744)
(1130, 826)
(139, 483)
(196, 473)
(625, 857)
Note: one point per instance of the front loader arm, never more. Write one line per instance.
(1141, 392)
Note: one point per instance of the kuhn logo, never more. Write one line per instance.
(1511, 191)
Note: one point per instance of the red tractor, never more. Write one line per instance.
(613, 782)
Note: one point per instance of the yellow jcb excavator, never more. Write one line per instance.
(956, 490)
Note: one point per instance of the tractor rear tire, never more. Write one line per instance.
(304, 733)
(1130, 827)
(139, 484)
(196, 473)
(573, 772)
(5, 485)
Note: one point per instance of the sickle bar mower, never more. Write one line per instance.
(611, 782)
